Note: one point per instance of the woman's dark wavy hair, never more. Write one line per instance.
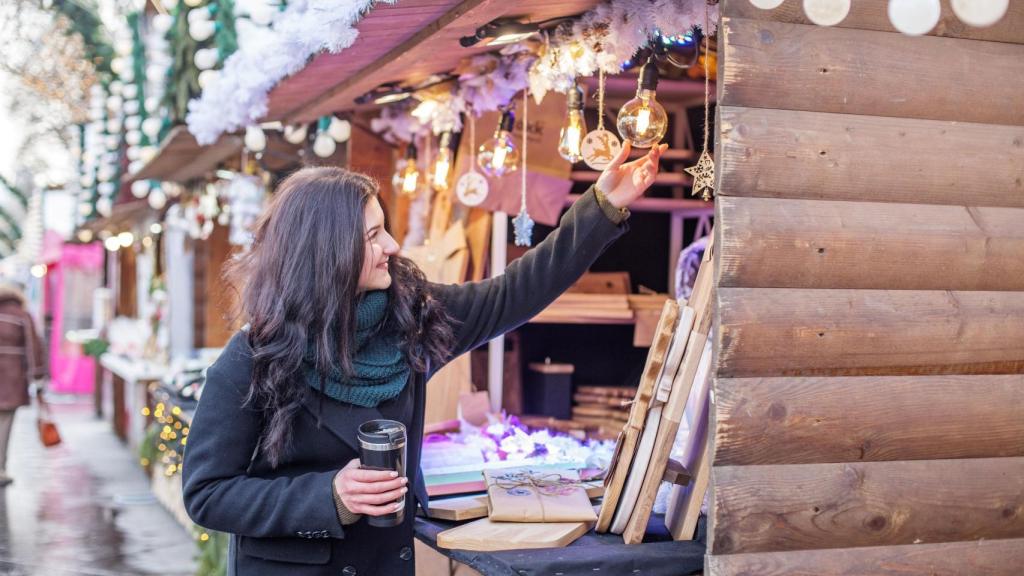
(298, 287)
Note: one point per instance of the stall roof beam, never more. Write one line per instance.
(433, 49)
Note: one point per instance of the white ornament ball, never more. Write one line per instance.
(114, 125)
(152, 105)
(147, 153)
(162, 23)
(96, 114)
(114, 103)
(140, 188)
(113, 142)
(980, 13)
(255, 140)
(86, 180)
(151, 127)
(133, 122)
(131, 107)
(766, 4)
(193, 3)
(261, 14)
(104, 206)
(135, 166)
(84, 208)
(207, 77)
(324, 145)
(206, 58)
(133, 137)
(128, 75)
(914, 17)
(133, 153)
(201, 30)
(157, 199)
(115, 86)
(156, 73)
(118, 65)
(197, 15)
(106, 188)
(169, 4)
(130, 91)
(223, 218)
(296, 133)
(826, 12)
(340, 130)
(96, 92)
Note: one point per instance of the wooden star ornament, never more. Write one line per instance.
(703, 173)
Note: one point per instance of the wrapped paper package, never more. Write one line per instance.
(532, 495)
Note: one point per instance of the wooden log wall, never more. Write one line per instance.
(868, 408)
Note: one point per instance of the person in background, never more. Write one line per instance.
(22, 360)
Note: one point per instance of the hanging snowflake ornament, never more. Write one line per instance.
(522, 224)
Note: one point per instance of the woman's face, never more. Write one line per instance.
(380, 246)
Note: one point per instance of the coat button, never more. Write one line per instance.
(348, 571)
(405, 553)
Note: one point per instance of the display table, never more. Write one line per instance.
(593, 553)
(128, 383)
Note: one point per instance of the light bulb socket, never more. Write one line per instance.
(649, 75)
(508, 121)
(575, 97)
(410, 152)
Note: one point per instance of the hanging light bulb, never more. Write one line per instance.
(255, 140)
(642, 120)
(445, 158)
(570, 140)
(499, 156)
(410, 174)
(295, 133)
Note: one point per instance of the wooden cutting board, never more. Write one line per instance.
(486, 536)
(475, 506)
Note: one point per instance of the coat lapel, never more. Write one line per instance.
(343, 420)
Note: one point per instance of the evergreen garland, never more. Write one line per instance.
(183, 76)
(139, 67)
(84, 20)
(226, 38)
(15, 191)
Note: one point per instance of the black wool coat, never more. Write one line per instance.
(283, 520)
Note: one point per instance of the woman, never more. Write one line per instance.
(342, 330)
(21, 359)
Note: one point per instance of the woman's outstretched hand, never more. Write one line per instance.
(624, 183)
(370, 492)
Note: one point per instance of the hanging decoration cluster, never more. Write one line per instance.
(238, 98)
(911, 17)
(607, 37)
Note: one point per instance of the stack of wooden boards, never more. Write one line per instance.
(678, 363)
(603, 405)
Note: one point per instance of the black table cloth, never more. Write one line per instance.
(592, 554)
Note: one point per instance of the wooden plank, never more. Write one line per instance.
(801, 67)
(697, 353)
(804, 332)
(459, 509)
(806, 420)
(626, 445)
(644, 204)
(980, 558)
(873, 15)
(815, 155)
(835, 244)
(811, 506)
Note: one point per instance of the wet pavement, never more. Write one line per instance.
(85, 506)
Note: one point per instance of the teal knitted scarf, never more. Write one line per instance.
(380, 367)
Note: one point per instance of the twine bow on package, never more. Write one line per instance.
(530, 495)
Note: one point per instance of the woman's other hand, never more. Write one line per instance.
(370, 492)
(624, 183)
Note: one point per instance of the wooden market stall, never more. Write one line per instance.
(869, 403)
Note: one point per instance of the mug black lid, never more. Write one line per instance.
(382, 432)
